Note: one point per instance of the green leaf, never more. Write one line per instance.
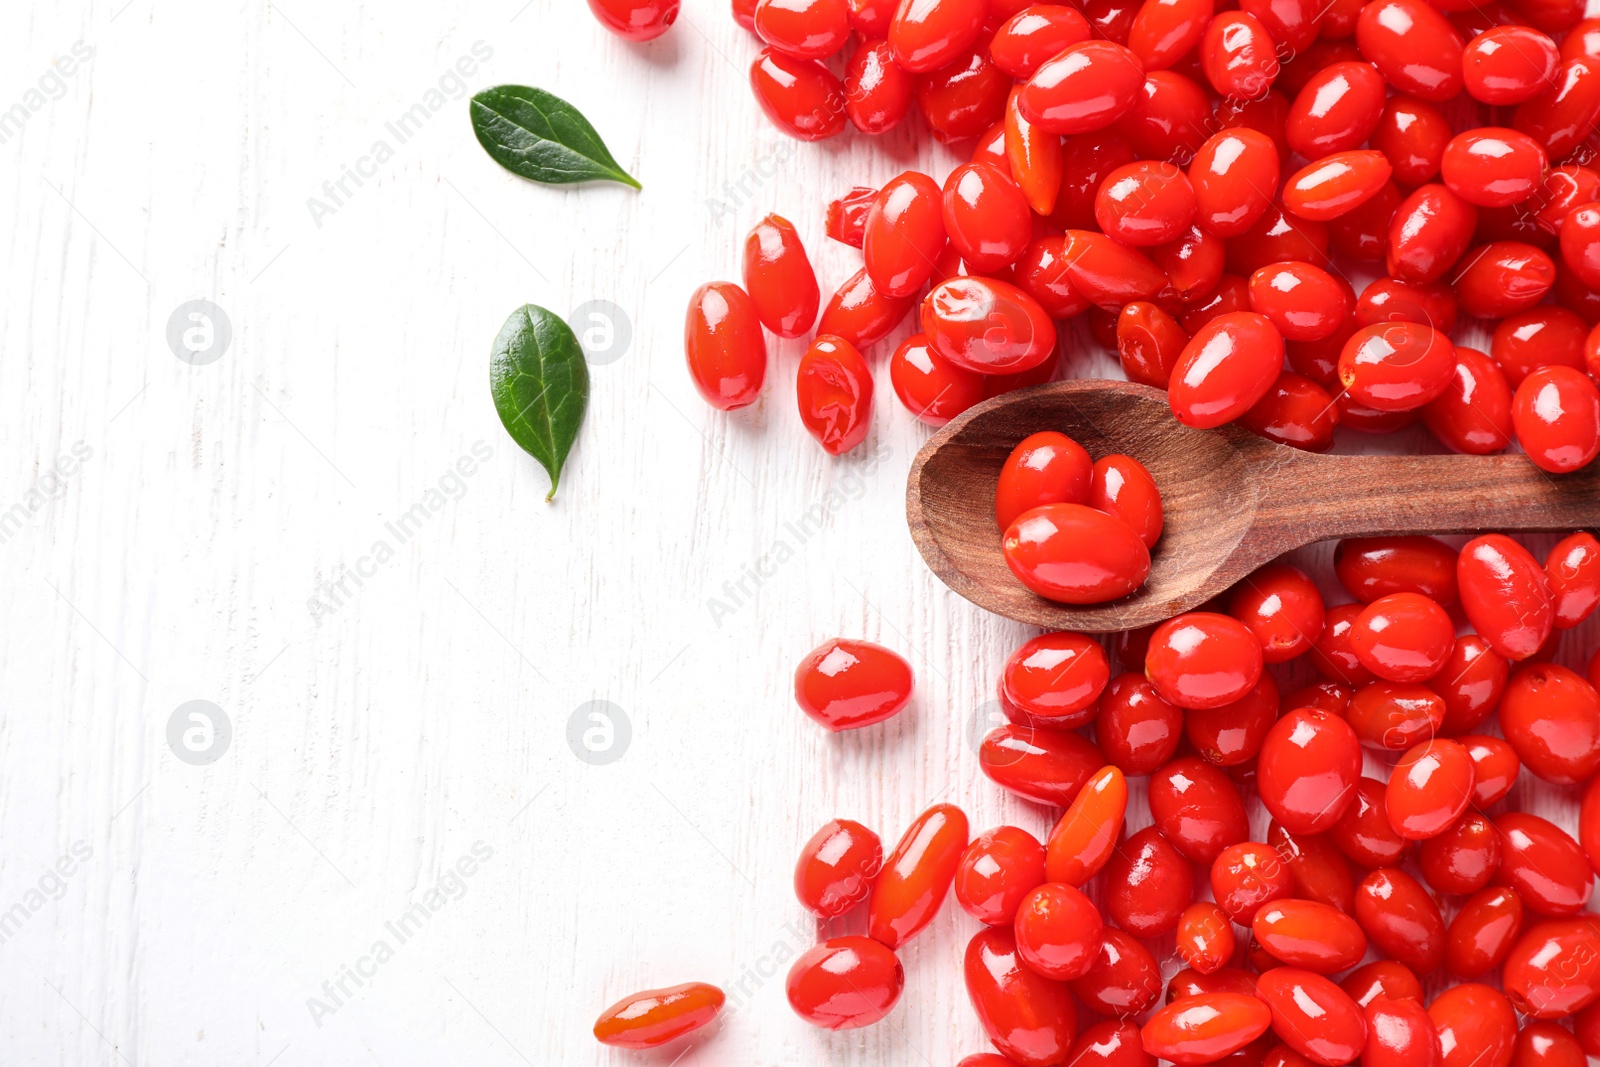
(541, 137)
(540, 385)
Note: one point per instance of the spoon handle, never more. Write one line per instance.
(1344, 496)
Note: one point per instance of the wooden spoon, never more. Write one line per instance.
(1233, 501)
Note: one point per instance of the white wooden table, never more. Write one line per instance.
(398, 694)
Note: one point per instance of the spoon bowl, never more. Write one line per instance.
(1233, 501)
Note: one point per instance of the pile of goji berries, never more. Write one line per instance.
(1076, 529)
(1198, 184)
(1350, 864)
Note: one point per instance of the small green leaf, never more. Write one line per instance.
(541, 137)
(540, 385)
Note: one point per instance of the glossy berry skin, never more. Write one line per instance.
(1509, 64)
(1461, 860)
(1416, 48)
(656, 1016)
(1231, 736)
(726, 350)
(1237, 56)
(1170, 120)
(1205, 937)
(1197, 808)
(1054, 680)
(1476, 1026)
(836, 868)
(1247, 876)
(999, 868)
(877, 93)
(1495, 767)
(930, 386)
(1556, 412)
(1075, 555)
(1203, 660)
(1045, 468)
(988, 326)
(1058, 931)
(1396, 366)
(1548, 1044)
(1309, 935)
(1283, 608)
(845, 983)
(1473, 414)
(1031, 1019)
(845, 685)
(805, 29)
(927, 35)
(802, 97)
(1233, 175)
(1412, 134)
(1124, 981)
(1431, 787)
(1395, 715)
(1337, 110)
(1145, 203)
(1309, 768)
(1107, 273)
(1373, 567)
(1382, 979)
(1296, 411)
(1551, 716)
(1506, 595)
(916, 876)
(1036, 33)
(1313, 1016)
(1573, 569)
(1389, 300)
(1227, 366)
(1544, 865)
(1336, 184)
(1364, 834)
(1493, 166)
(1401, 919)
(1403, 637)
(1190, 983)
(1111, 1043)
(870, 18)
(1033, 157)
(1048, 766)
(1554, 968)
(1305, 303)
(1501, 278)
(986, 216)
(1148, 884)
(847, 216)
(1139, 729)
(635, 20)
(1085, 836)
(1086, 87)
(1542, 336)
(834, 391)
(1121, 486)
(1164, 31)
(1580, 242)
(1205, 1028)
(1483, 932)
(904, 234)
(1399, 1034)
(1428, 233)
(779, 278)
(1563, 116)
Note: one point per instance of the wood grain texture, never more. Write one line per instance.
(690, 560)
(1232, 501)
